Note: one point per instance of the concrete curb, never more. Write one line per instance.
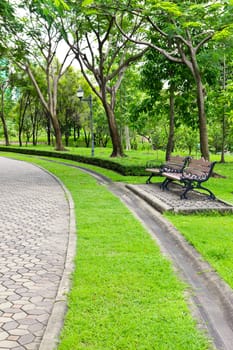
(150, 198)
(169, 201)
(51, 335)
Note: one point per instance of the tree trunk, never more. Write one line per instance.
(67, 139)
(117, 150)
(5, 130)
(57, 132)
(35, 122)
(223, 138)
(34, 134)
(170, 142)
(202, 121)
(22, 113)
(48, 130)
(50, 107)
(74, 132)
(20, 138)
(67, 127)
(87, 138)
(204, 146)
(127, 139)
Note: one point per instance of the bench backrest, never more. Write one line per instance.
(175, 164)
(199, 169)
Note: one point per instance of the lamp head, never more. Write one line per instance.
(80, 93)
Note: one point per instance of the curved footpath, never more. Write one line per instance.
(37, 243)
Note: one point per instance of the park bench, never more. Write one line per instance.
(192, 176)
(175, 164)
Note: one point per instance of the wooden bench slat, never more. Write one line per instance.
(174, 176)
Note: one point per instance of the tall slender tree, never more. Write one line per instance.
(37, 46)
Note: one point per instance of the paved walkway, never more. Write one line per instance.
(34, 238)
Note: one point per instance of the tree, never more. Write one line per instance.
(170, 77)
(102, 50)
(186, 28)
(37, 47)
(30, 114)
(8, 25)
(5, 96)
(68, 108)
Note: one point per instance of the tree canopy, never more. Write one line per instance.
(173, 43)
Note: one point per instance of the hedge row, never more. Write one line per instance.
(126, 170)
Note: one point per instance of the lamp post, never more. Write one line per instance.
(80, 94)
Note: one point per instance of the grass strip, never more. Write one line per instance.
(212, 237)
(125, 294)
(212, 234)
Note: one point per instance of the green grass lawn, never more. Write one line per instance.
(125, 294)
(212, 236)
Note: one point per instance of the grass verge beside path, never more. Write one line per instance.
(212, 237)
(125, 294)
(212, 234)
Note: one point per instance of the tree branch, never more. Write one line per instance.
(206, 39)
(126, 63)
(149, 44)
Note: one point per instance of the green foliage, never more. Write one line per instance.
(8, 18)
(87, 2)
(167, 6)
(175, 19)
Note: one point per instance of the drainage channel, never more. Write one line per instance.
(211, 299)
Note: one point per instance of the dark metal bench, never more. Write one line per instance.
(175, 164)
(192, 176)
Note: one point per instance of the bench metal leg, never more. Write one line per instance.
(211, 195)
(165, 183)
(149, 178)
(190, 186)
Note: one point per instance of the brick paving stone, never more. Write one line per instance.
(5, 319)
(13, 337)
(19, 315)
(34, 347)
(36, 328)
(10, 325)
(8, 344)
(18, 331)
(34, 228)
(26, 339)
(3, 335)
